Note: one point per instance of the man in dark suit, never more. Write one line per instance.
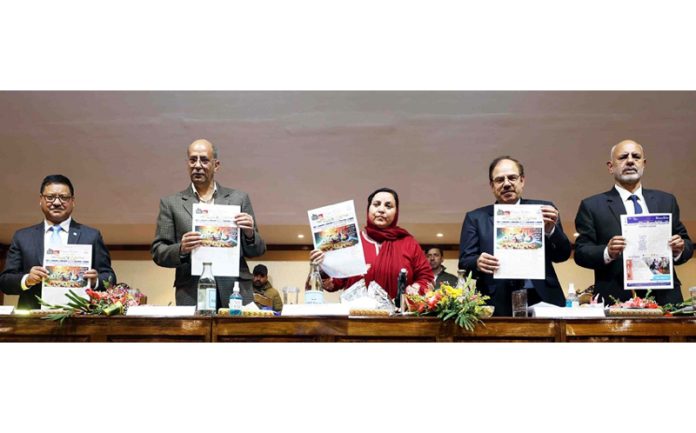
(24, 269)
(174, 238)
(599, 245)
(506, 178)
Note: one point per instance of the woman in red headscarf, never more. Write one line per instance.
(388, 248)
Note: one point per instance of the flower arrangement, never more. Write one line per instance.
(114, 300)
(463, 304)
(648, 302)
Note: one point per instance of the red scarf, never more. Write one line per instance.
(385, 269)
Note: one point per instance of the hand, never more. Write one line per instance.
(550, 215)
(676, 243)
(616, 246)
(36, 275)
(487, 263)
(413, 289)
(327, 284)
(91, 277)
(189, 242)
(316, 257)
(245, 222)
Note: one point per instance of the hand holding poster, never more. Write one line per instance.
(335, 231)
(647, 258)
(220, 239)
(519, 241)
(66, 266)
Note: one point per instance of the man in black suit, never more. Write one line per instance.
(24, 269)
(599, 245)
(506, 178)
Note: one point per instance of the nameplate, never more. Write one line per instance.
(161, 311)
(567, 313)
(315, 310)
(6, 310)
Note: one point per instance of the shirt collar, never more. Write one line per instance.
(64, 226)
(625, 194)
(198, 197)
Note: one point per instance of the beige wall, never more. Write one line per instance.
(289, 268)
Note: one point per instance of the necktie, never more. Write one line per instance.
(636, 206)
(55, 236)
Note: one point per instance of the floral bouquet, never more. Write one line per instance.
(114, 300)
(463, 304)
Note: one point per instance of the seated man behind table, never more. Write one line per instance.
(24, 269)
(264, 294)
(435, 258)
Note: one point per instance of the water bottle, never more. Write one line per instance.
(461, 279)
(572, 299)
(236, 301)
(207, 291)
(314, 293)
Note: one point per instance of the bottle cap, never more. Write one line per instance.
(571, 288)
(236, 286)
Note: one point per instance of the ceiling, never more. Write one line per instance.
(293, 151)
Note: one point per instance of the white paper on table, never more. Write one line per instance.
(220, 235)
(335, 231)
(647, 258)
(315, 310)
(519, 241)
(6, 310)
(66, 266)
(160, 311)
(550, 311)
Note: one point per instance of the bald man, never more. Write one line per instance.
(600, 244)
(174, 239)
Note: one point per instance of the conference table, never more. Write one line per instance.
(14, 328)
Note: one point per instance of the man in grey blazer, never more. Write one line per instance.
(174, 238)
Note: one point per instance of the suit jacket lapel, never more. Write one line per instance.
(615, 205)
(74, 233)
(39, 242)
(187, 200)
(651, 201)
(223, 196)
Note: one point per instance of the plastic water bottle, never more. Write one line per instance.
(236, 301)
(572, 299)
(207, 291)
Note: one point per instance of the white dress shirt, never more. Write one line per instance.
(630, 209)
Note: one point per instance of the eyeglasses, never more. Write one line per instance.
(51, 198)
(501, 179)
(205, 162)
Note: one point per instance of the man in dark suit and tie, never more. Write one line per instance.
(174, 238)
(599, 245)
(506, 178)
(24, 269)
